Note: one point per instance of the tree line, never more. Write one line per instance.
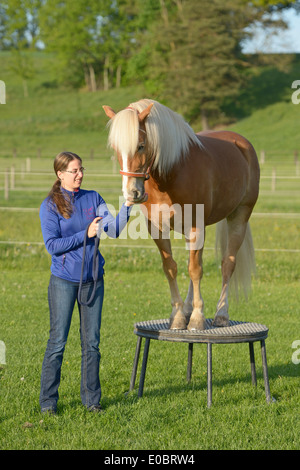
(188, 53)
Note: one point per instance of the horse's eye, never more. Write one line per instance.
(141, 147)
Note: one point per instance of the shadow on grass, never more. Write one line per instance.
(196, 385)
(157, 389)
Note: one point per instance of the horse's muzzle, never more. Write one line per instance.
(137, 197)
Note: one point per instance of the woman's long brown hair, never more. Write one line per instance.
(62, 202)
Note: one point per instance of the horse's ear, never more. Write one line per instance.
(109, 111)
(142, 116)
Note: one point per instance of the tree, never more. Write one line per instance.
(186, 52)
(195, 55)
(18, 24)
(195, 60)
(275, 4)
(18, 32)
(92, 39)
(69, 28)
(118, 37)
(22, 65)
(3, 26)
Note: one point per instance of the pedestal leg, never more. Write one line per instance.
(265, 371)
(135, 363)
(252, 364)
(144, 366)
(209, 374)
(189, 365)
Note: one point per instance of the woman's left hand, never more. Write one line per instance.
(94, 227)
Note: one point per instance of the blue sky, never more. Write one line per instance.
(285, 41)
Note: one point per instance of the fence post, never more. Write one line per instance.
(273, 179)
(296, 162)
(28, 165)
(6, 185)
(12, 177)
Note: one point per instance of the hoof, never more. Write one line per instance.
(197, 321)
(196, 325)
(221, 321)
(178, 322)
(177, 325)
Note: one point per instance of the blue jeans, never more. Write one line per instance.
(62, 296)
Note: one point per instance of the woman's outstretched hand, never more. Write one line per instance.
(94, 226)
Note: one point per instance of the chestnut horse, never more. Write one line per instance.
(160, 155)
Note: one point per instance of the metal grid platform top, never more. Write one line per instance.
(236, 332)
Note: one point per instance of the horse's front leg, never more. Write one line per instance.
(177, 319)
(197, 319)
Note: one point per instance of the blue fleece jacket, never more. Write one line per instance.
(64, 237)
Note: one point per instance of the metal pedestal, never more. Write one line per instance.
(236, 332)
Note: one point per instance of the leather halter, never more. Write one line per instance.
(133, 174)
(145, 175)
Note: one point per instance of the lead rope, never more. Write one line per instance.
(95, 268)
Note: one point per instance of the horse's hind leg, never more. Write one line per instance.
(177, 319)
(236, 229)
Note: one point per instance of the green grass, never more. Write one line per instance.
(239, 417)
(172, 415)
(273, 129)
(54, 118)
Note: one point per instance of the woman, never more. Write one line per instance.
(68, 215)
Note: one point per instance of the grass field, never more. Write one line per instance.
(172, 415)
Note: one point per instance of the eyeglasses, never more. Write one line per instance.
(75, 172)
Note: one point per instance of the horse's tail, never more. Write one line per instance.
(245, 259)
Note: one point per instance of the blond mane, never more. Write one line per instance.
(168, 135)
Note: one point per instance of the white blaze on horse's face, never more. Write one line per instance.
(133, 188)
(125, 178)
